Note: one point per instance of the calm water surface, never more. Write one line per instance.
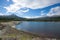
(43, 28)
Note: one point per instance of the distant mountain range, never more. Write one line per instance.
(53, 18)
(16, 18)
(12, 17)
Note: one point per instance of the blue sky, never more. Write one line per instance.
(30, 8)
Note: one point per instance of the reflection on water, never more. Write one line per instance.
(45, 28)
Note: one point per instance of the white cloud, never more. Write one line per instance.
(4, 14)
(54, 11)
(33, 4)
(20, 12)
(1, 14)
(24, 10)
(13, 8)
(28, 17)
(42, 13)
